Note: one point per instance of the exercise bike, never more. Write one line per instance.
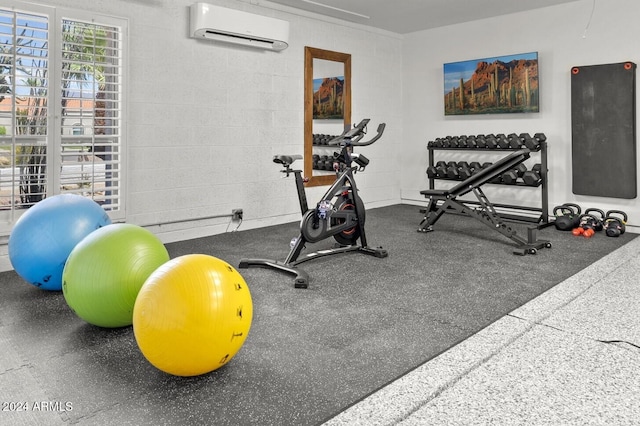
(340, 213)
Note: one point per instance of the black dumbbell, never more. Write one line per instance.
(510, 177)
(452, 170)
(514, 141)
(502, 141)
(432, 173)
(533, 143)
(441, 169)
(465, 172)
(533, 177)
(481, 142)
(475, 167)
(471, 142)
(540, 137)
(492, 141)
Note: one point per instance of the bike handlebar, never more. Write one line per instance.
(354, 135)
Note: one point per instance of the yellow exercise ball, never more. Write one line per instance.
(192, 315)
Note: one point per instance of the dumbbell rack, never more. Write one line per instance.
(320, 142)
(516, 213)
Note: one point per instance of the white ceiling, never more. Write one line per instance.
(406, 16)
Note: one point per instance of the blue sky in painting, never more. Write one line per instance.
(455, 71)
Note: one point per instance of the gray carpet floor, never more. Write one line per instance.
(310, 353)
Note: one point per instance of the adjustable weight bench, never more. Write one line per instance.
(443, 200)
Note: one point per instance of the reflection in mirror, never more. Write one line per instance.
(327, 109)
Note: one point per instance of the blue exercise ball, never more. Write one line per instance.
(44, 236)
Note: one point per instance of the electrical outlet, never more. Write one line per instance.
(236, 214)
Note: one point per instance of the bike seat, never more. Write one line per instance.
(286, 160)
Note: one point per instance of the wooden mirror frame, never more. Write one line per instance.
(311, 53)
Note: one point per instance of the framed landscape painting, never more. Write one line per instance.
(328, 98)
(497, 85)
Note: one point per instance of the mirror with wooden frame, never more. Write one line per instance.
(327, 108)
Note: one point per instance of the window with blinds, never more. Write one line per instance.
(91, 111)
(61, 86)
(24, 100)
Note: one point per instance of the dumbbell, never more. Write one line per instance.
(452, 170)
(481, 141)
(514, 141)
(319, 139)
(510, 177)
(533, 177)
(533, 143)
(328, 165)
(615, 223)
(441, 169)
(462, 141)
(492, 142)
(471, 142)
(464, 170)
(529, 142)
(502, 141)
(475, 167)
(322, 159)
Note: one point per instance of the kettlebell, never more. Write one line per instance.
(591, 223)
(567, 216)
(615, 223)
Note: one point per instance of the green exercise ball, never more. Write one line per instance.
(105, 271)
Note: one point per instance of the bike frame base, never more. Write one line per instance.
(302, 277)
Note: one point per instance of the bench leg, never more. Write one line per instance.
(431, 215)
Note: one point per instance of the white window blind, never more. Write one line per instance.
(91, 111)
(61, 107)
(24, 88)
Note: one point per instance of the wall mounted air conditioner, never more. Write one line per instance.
(235, 26)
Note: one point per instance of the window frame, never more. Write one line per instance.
(55, 139)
